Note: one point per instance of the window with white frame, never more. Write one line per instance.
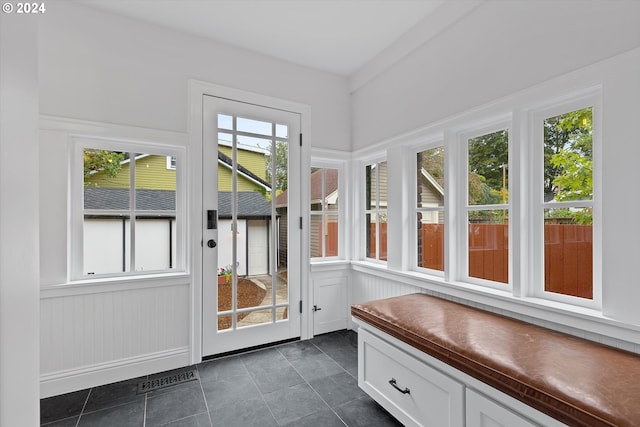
(126, 210)
(564, 196)
(487, 206)
(376, 211)
(430, 214)
(325, 212)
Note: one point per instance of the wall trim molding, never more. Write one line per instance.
(65, 381)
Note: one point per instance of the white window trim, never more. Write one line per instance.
(340, 166)
(591, 98)
(459, 178)
(76, 189)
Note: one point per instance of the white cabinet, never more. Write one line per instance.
(484, 412)
(413, 392)
(420, 390)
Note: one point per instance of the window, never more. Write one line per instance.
(325, 212)
(376, 210)
(171, 162)
(126, 215)
(566, 213)
(487, 207)
(430, 208)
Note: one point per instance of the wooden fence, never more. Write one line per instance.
(568, 253)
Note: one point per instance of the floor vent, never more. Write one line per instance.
(168, 380)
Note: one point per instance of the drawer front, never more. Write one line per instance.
(409, 389)
(483, 412)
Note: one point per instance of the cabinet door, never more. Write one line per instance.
(484, 412)
(411, 390)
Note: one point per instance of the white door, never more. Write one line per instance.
(251, 235)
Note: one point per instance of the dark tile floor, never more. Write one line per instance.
(303, 383)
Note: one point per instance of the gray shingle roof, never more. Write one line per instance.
(251, 204)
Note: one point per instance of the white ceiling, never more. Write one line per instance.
(338, 36)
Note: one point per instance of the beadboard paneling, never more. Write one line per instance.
(90, 329)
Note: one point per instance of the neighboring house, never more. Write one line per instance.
(431, 195)
(106, 233)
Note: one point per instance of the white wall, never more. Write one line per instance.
(101, 67)
(19, 252)
(499, 48)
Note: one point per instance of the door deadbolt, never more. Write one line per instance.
(211, 243)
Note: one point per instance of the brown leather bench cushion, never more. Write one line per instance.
(576, 381)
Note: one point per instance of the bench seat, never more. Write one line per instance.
(578, 382)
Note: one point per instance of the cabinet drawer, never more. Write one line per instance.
(412, 391)
(483, 412)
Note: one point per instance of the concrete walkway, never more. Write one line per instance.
(265, 316)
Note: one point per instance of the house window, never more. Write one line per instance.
(376, 211)
(171, 162)
(487, 209)
(325, 212)
(125, 211)
(567, 207)
(430, 208)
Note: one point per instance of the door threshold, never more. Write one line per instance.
(248, 349)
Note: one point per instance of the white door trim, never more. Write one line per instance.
(196, 90)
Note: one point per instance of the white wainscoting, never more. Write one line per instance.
(101, 333)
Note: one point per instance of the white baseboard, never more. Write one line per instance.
(60, 382)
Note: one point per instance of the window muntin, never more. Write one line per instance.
(430, 213)
(488, 207)
(324, 212)
(376, 211)
(567, 203)
(127, 219)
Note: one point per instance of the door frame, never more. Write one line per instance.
(196, 91)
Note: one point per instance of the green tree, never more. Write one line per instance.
(488, 160)
(281, 166)
(107, 162)
(568, 154)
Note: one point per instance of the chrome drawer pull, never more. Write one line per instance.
(394, 383)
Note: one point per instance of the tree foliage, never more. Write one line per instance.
(281, 166)
(569, 161)
(488, 160)
(568, 155)
(104, 161)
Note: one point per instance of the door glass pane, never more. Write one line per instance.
(489, 245)
(277, 175)
(282, 131)
(568, 156)
(568, 252)
(252, 249)
(225, 122)
(488, 169)
(254, 126)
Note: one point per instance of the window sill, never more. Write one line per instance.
(319, 265)
(111, 284)
(580, 321)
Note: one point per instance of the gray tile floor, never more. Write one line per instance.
(303, 383)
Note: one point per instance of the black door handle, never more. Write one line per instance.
(211, 243)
